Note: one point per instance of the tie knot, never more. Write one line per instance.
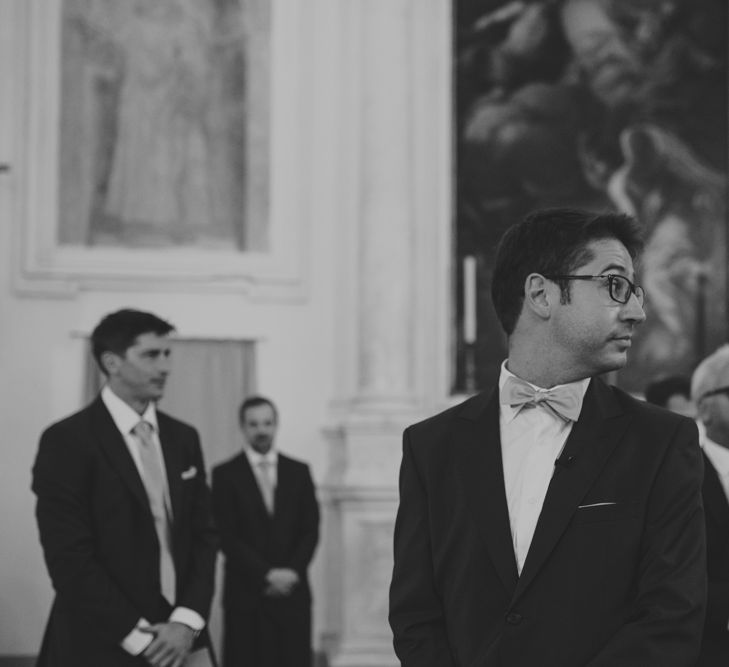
(143, 430)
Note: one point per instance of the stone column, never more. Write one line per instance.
(393, 298)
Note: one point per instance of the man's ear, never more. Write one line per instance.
(536, 295)
(110, 362)
(703, 411)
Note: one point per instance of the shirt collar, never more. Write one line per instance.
(124, 416)
(509, 413)
(718, 455)
(255, 459)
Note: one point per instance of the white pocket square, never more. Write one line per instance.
(189, 473)
(582, 507)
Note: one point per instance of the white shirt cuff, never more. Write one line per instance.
(188, 617)
(136, 641)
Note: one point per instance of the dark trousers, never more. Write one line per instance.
(714, 651)
(263, 639)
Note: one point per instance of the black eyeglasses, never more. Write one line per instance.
(715, 392)
(620, 287)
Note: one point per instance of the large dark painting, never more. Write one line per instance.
(618, 104)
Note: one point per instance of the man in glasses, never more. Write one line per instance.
(710, 390)
(553, 520)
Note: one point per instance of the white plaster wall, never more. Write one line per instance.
(41, 360)
(330, 122)
(41, 381)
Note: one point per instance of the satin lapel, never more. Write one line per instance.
(174, 457)
(112, 444)
(593, 437)
(716, 502)
(477, 446)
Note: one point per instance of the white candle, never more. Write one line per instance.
(469, 300)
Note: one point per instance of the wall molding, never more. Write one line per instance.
(42, 267)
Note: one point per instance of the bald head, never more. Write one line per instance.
(711, 374)
(710, 390)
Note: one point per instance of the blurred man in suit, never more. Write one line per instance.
(553, 520)
(268, 517)
(124, 515)
(672, 393)
(710, 390)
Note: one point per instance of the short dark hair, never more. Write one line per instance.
(552, 242)
(254, 402)
(118, 331)
(659, 391)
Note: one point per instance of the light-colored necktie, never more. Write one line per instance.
(155, 484)
(199, 658)
(565, 401)
(266, 484)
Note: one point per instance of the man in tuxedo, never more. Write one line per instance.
(553, 520)
(124, 515)
(268, 517)
(710, 390)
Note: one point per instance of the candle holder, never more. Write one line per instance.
(469, 375)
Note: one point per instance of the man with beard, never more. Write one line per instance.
(268, 517)
(124, 515)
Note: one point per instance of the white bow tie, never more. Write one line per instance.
(565, 401)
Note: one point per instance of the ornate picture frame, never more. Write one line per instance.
(268, 260)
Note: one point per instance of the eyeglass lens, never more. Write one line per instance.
(621, 289)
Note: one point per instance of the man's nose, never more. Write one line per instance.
(633, 310)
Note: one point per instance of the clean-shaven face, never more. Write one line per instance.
(140, 375)
(681, 405)
(592, 332)
(259, 427)
(714, 412)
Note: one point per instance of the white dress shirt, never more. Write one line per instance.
(255, 459)
(531, 439)
(125, 418)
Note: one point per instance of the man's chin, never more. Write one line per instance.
(155, 394)
(615, 362)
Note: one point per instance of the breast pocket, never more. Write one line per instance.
(604, 512)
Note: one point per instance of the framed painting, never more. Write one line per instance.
(145, 148)
(601, 104)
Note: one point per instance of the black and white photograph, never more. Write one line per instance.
(364, 333)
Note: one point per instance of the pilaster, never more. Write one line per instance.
(393, 300)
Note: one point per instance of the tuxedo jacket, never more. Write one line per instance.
(715, 648)
(615, 575)
(99, 538)
(253, 541)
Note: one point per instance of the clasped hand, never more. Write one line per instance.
(171, 644)
(281, 581)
